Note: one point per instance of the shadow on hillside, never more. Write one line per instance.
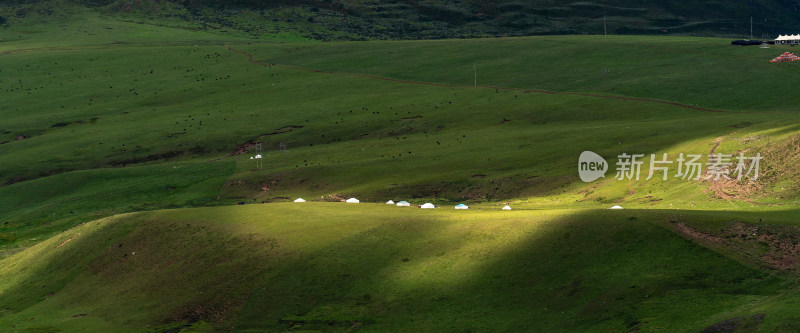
(601, 270)
(467, 271)
(43, 270)
(132, 271)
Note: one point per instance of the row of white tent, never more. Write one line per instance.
(404, 203)
(430, 205)
(425, 206)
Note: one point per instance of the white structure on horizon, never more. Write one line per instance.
(390, 202)
(299, 200)
(403, 204)
(507, 207)
(352, 200)
(787, 39)
(427, 205)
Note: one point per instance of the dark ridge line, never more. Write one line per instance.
(524, 90)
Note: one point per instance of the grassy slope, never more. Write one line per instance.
(35, 210)
(167, 93)
(708, 72)
(550, 270)
(530, 158)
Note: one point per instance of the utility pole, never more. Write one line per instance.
(259, 156)
(475, 72)
(751, 28)
(282, 147)
(605, 31)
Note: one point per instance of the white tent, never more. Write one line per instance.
(403, 204)
(616, 207)
(787, 39)
(352, 200)
(427, 206)
(258, 156)
(462, 206)
(390, 202)
(299, 200)
(507, 207)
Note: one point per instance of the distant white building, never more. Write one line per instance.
(787, 39)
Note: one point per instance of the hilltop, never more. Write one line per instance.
(409, 19)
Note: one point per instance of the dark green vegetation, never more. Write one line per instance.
(410, 19)
(102, 116)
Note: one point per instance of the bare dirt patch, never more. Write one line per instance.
(777, 165)
(773, 246)
(247, 146)
(737, 324)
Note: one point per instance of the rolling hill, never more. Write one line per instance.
(126, 144)
(330, 267)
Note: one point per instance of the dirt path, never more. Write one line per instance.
(67, 241)
(716, 145)
(719, 187)
(524, 90)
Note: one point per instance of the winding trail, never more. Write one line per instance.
(524, 90)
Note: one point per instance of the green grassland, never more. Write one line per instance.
(706, 72)
(112, 129)
(331, 266)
